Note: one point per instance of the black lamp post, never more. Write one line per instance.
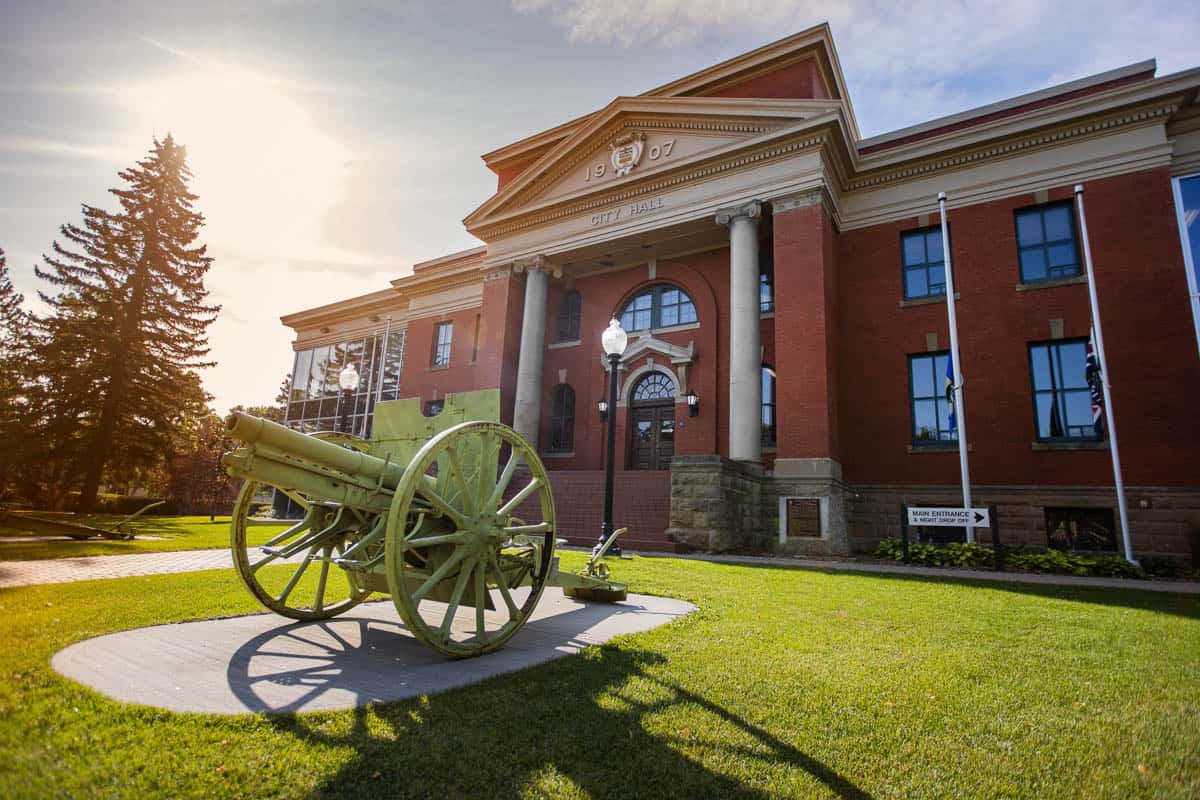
(613, 340)
(348, 380)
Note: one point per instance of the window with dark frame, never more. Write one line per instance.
(768, 407)
(1047, 244)
(1081, 529)
(568, 317)
(434, 407)
(658, 307)
(443, 333)
(927, 399)
(924, 263)
(1062, 401)
(766, 280)
(562, 419)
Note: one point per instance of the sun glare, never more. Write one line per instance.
(265, 173)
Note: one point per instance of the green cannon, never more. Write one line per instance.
(426, 511)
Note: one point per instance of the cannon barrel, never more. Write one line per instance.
(255, 430)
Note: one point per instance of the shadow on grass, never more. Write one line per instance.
(1132, 596)
(591, 722)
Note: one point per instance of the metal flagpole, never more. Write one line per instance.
(1098, 339)
(959, 416)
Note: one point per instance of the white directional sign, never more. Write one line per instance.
(957, 517)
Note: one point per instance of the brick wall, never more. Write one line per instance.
(641, 502)
(1141, 285)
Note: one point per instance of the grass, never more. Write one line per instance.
(787, 683)
(174, 533)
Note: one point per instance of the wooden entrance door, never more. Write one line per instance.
(653, 432)
(652, 422)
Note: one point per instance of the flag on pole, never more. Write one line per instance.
(950, 392)
(1092, 373)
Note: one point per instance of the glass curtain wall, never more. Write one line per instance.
(316, 402)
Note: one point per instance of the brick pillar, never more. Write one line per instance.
(807, 460)
(805, 329)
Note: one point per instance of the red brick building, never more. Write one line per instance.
(788, 275)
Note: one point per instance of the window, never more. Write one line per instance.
(768, 407)
(658, 307)
(434, 407)
(562, 419)
(655, 386)
(1046, 242)
(766, 279)
(443, 332)
(927, 392)
(1081, 529)
(568, 318)
(924, 262)
(1062, 400)
(1187, 210)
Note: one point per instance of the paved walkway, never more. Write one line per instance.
(65, 570)
(264, 663)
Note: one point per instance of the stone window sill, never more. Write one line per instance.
(1042, 447)
(927, 301)
(570, 454)
(923, 449)
(766, 315)
(561, 345)
(1050, 284)
(769, 449)
(437, 367)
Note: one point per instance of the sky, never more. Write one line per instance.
(334, 144)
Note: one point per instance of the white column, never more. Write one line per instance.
(527, 410)
(745, 349)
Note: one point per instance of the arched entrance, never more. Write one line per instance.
(652, 422)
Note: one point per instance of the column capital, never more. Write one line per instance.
(538, 263)
(751, 211)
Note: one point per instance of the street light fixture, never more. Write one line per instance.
(348, 379)
(613, 341)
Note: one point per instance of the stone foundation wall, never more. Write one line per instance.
(717, 504)
(1163, 521)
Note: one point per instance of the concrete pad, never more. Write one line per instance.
(265, 663)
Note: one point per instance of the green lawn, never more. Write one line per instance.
(174, 533)
(786, 683)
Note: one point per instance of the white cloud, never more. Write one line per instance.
(950, 55)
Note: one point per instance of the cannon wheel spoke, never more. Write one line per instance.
(446, 576)
(300, 593)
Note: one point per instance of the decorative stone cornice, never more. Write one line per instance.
(751, 211)
(815, 139)
(646, 344)
(1013, 146)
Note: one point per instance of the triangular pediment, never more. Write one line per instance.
(637, 138)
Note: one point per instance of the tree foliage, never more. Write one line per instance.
(118, 354)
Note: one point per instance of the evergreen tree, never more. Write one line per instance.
(14, 394)
(129, 323)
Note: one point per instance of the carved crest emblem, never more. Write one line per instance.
(627, 152)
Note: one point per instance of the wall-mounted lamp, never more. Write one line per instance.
(693, 403)
(602, 406)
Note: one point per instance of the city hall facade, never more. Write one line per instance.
(782, 282)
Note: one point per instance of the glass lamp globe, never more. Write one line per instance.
(614, 338)
(348, 378)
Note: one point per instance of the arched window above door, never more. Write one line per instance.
(654, 386)
(658, 307)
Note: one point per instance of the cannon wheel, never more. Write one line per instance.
(334, 593)
(461, 541)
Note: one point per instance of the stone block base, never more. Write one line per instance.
(716, 504)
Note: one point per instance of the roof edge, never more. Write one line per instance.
(1010, 103)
